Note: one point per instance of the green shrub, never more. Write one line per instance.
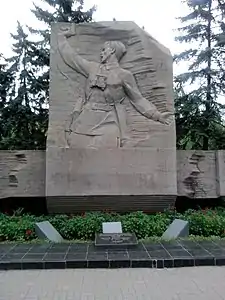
(204, 223)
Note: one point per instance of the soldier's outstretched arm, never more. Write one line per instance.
(69, 55)
(142, 105)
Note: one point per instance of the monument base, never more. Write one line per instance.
(120, 180)
(111, 138)
(119, 203)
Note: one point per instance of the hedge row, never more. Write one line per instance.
(202, 223)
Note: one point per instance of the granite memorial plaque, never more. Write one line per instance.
(112, 227)
(115, 239)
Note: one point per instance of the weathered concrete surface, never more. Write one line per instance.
(92, 160)
(197, 174)
(129, 161)
(220, 174)
(200, 174)
(22, 174)
(90, 172)
(147, 63)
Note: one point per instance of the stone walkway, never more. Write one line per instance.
(196, 283)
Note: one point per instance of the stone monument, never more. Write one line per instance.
(111, 139)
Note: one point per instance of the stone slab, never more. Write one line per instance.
(178, 228)
(220, 176)
(148, 62)
(117, 171)
(170, 254)
(197, 175)
(112, 227)
(115, 240)
(22, 173)
(111, 203)
(45, 230)
(79, 164)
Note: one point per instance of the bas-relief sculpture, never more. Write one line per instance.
(120, 97)
(101, 118)
(111, 137)
(111, 123)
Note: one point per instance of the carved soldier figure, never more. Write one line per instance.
(109, 88)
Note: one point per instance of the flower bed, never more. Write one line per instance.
(203, 223)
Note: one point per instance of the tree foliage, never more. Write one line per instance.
(199, 110)
(24, 77)
(190, 122)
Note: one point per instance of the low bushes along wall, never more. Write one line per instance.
(204, 223)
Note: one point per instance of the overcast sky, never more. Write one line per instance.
(157, 16)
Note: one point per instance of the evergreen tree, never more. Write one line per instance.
(199, 112)
(190, 123)
(23, 113)
(6, 79)
(24, 78)
(58, 11)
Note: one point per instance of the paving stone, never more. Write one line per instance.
(87, 255)
(102, 284)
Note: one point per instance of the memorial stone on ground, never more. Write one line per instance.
(112, 227)
(111, 138)
(178, 228)
(45, 230)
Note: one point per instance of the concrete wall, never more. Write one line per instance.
(220, 167)
(197, 174)
(22, 174)
(200, 174)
